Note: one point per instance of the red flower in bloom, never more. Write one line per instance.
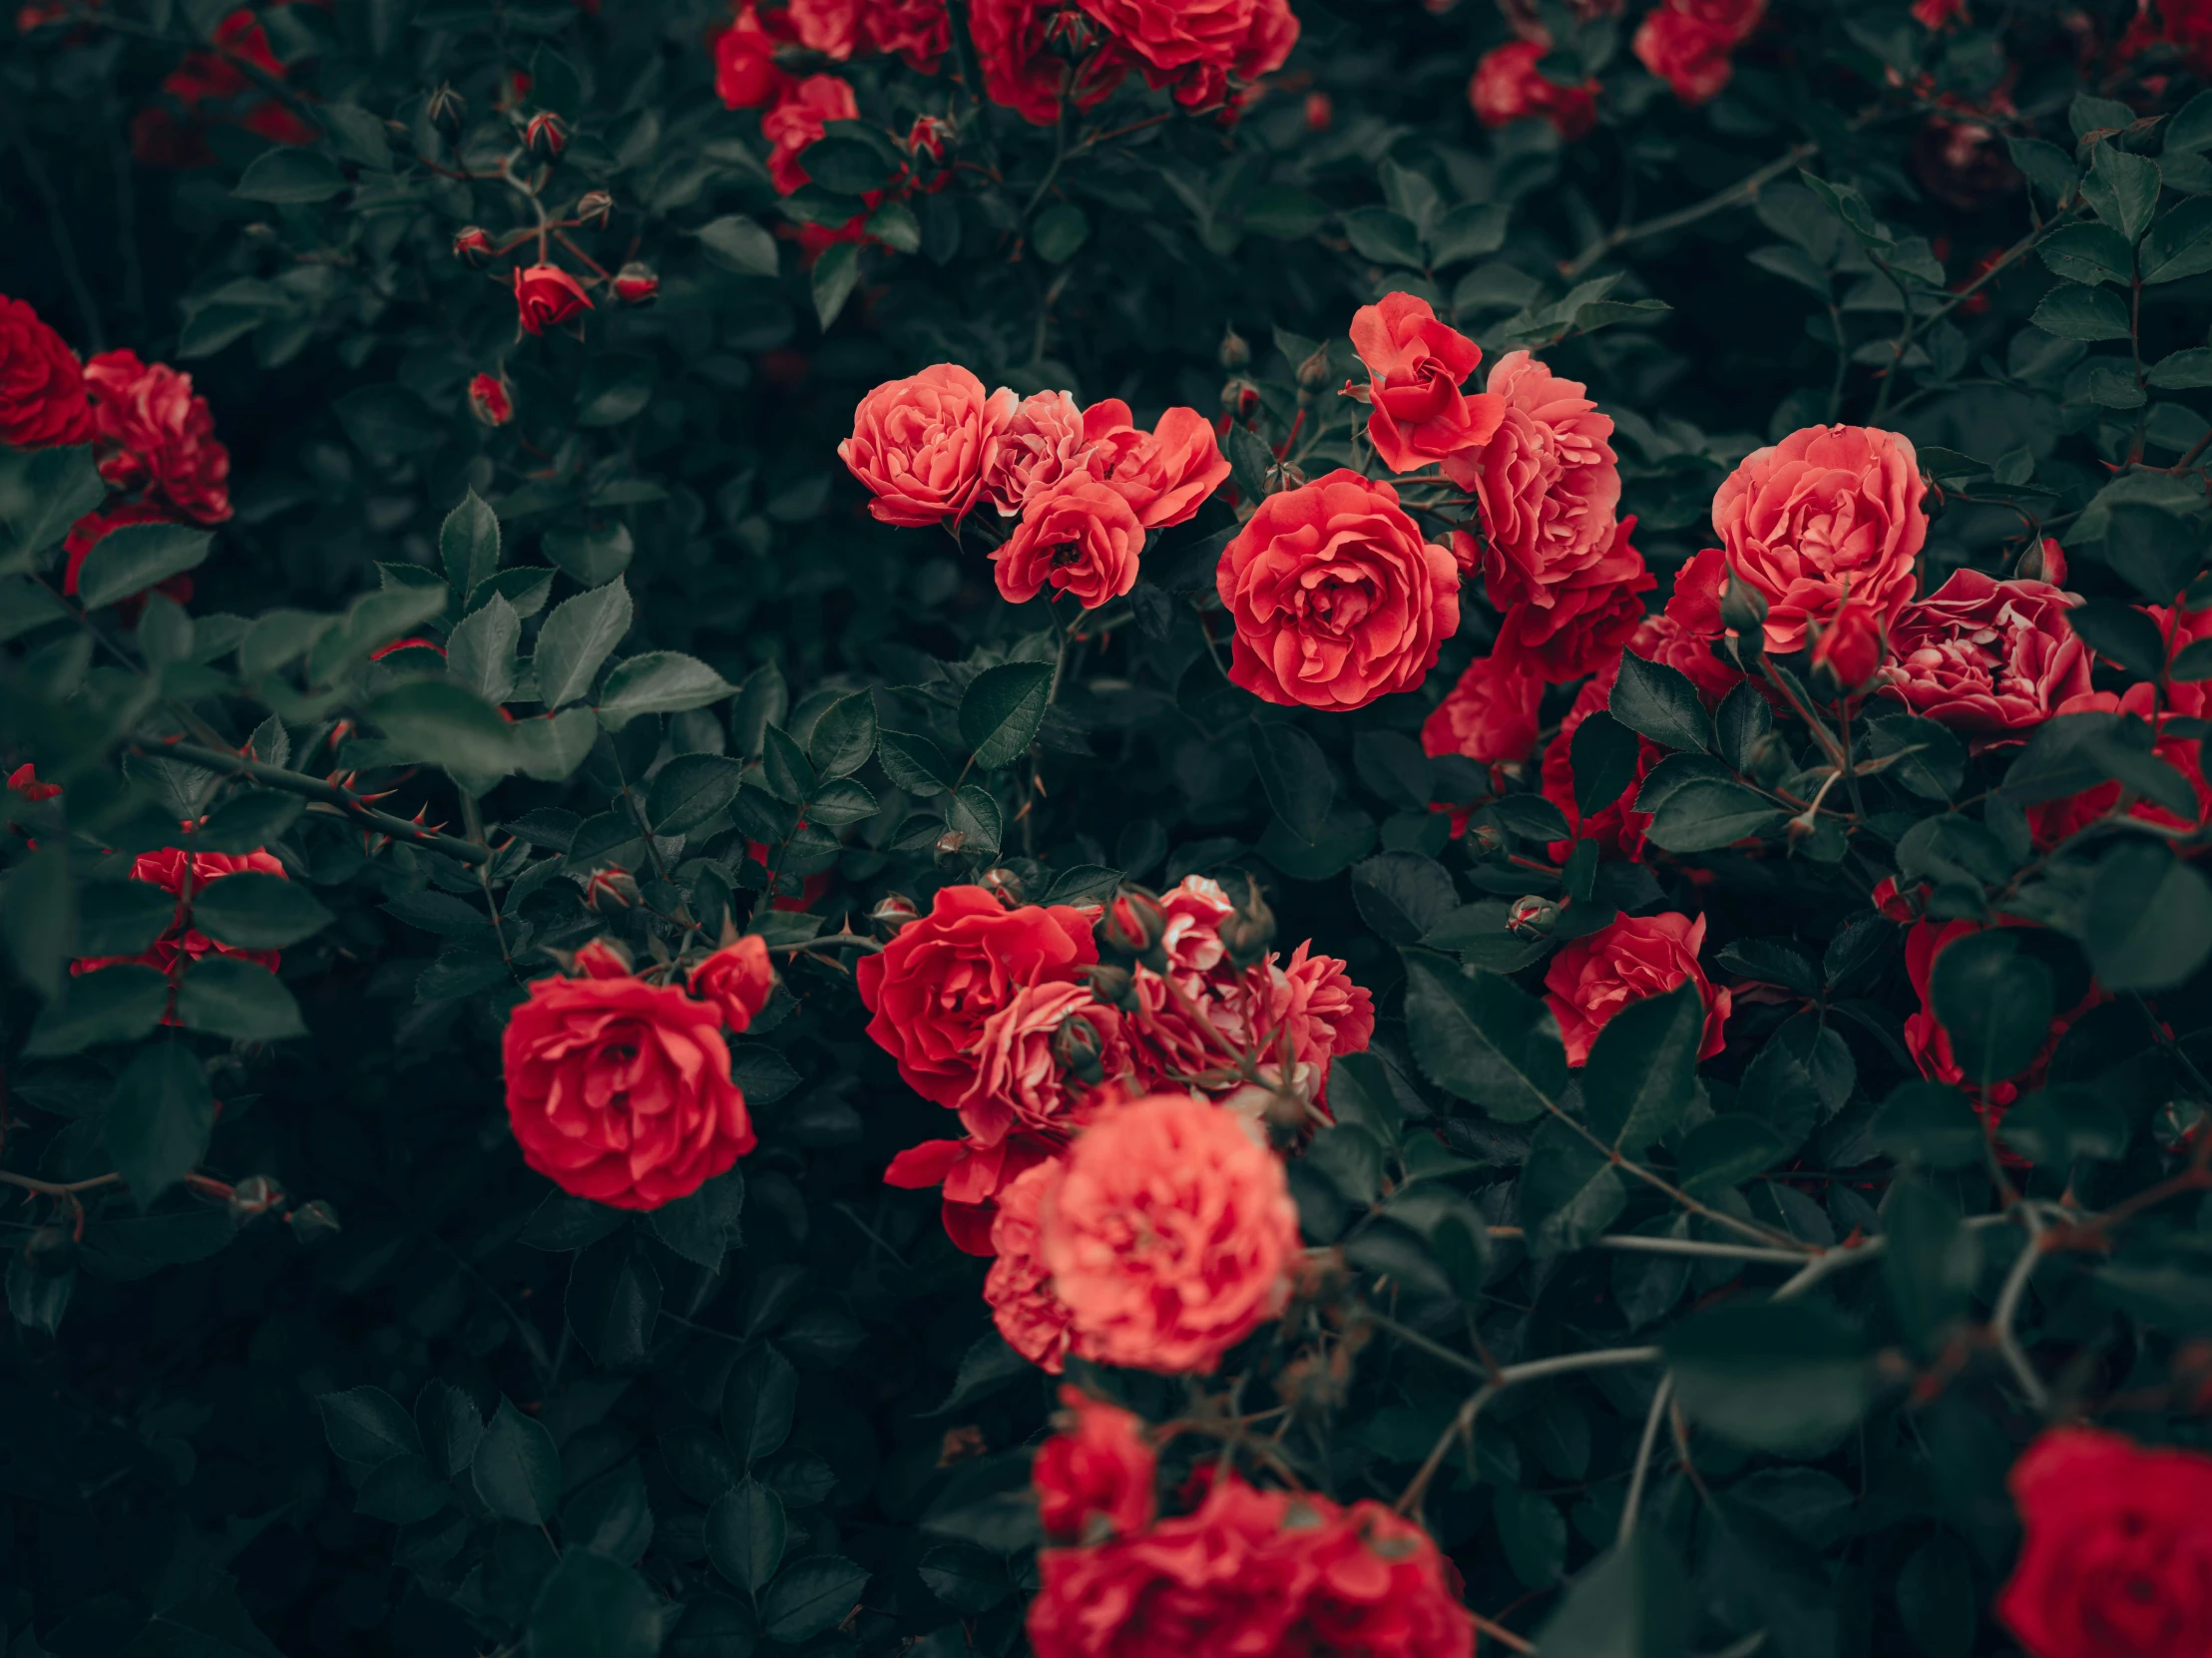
(1616, 827)
(1989, 657)
(1019, 1288)
(546, 297)
(1416, 366)
(934, 986)
(923, 446)
(1590, 617)
(1042, 442)
(1490, 716)
(1507, 87)
(1594, 978)
(1197, 45)
(152, 435)
(1022, 69)
(1929, 1044)
(920, 31)
(182, 873)
(971, 1177)
(1025, 1077)
(42, 388)
(1080, 537)
(620, 1092)
(1093, 1478)
(88, 533)
(801, 115)
(746, 75)
(1686, 43)
(2184, 25)
(24, 781)
(1166, 474)
(736, 979)
(2116, 1554)
(490, 400)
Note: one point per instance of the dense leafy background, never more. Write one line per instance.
(223, 1439)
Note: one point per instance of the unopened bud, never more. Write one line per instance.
(1072, 32)
(1134, 924)
(1077, 1048)
(256, 1195)
(2045, 560)
(1002, 883)
(893, 911)
(595, 208)
(1236, 351)
(1282, 475)
(1768, 757)
(1114, 986)
(51, 1251)
(636, 283)
(313, 1222)
(492, 399)
(473, 244)
(545, 136)
(1247, 931)
(1486, 840)
(1743, 610)
(928, 136)
(1239, 398)
(952, 850)
(447, 109)
(1532, 917)
(1313, 373)
(614, 885)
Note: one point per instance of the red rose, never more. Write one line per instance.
(1022, 69)
(2116, 1549)
(602, 959)
(1416, 366)
(1938, 14)
(1019, 1288)
(1042, 442)
(1546, 482)
(1166, 474)
(490, 400)
(1685, 648)
(1827, 511)
(1490, 716)
(737, 979)
(1335, 596)
(182, 944)
(1986, 655)
(746, 75)
(91, 530)
(1591, 978)
(2185, 24)
(1590, 619)
(972, 1177)
(1929, 1044)
(1093, 1478)
(1617, 827)
(1199, 42)
(923, 445)
(920, 31)
(546, 297)
(831, 27)
(1686, 43)
(1313, 1001)
(801, 115)
(1080, 537)
(152, 435)
(933, 988)
(24, 781)
(1378, 1585)
(1023, 1074)
(42, 388)
(1507, 87)
(1852, 648)
(620, 1092)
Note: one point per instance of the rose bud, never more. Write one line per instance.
(447, 109)
(491, 400)
(635, 284)
(1002, 883)
(1133, 925)
(929, 136)
(952, 851)
(1076, 1048)
(2045, 561)
(593, 207)
(1236, 350)
(1072, 32)
(1313, 373)
(1484, 840)
(473, 244)
(256, 1195)
(1848, 653)
(546, 136)
(1248, 930)
(1240, 399)
(1532, 917)
(1114, 986)
(615, 884)
(1320, 113)
(893, 911)
(1743, 611)
(313, 1222)
(546, 296)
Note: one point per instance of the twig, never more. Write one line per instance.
(1502, 1635)
(1748, 1229)
(2008, 1304)
(52, 1188)
(1660, 1403)
(1743, 190)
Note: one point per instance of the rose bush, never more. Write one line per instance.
(938, 827)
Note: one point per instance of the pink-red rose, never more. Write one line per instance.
(1546, 482)
(1166, 474)
(1021, 67)
(1591, 978)
(746, 73)
(546, 297)
(154, 437)
(1590, 619)
(182, 874)
(1024, 1074)
(620, 1092)
(801, 115)
(1080, 537)
(1416, 366)
(1507, 87)
(1829, 510)
(1336, 596)
(1491, 715)
(1095, 1477)
(923, 445)
(1018, 1287)
(1988, 657)
(490, 401)
(1042, 442)
(42, 387)
(1687, 43)
(737, 979)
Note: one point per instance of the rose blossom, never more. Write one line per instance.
(2115, 1556)
(1023, 71)
(1314, 1002)
(1416, 366)
(1591, 616)
(1507, 87)
(923, 445)
(546, 297)
(920, 31)
(933, 988)
(1490, 716)
(91, 530)
(1335, 596)
(745, 74)
(737, 979)
(1828, 510)
(24, 781)
(1591, 978)
(1019, 1289)
(1928, 1042)
(1080, 537)
(620, 1092)
(971, 1177)
(1020, 1078)
(1166, 474)
(1686, 43)
(1042, 443)
(1546, 482)
(1199, 42)
(831, 27)
(42, 388)
(1852, 648)
(1988, 656)
(152, 435)
(1617, 827)
(490, 401)
(801, 115)
(1168, 1234)
(180, 874)
(1093, 1478)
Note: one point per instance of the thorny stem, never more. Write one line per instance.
(1744, 1228)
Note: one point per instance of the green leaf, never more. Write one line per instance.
(549, 748)
(114, 1005)
(2123, 189)
(468, 544)
(914, 763)
(257, 911)
(1403, 895)
(837, 275)
(135, 557)
(1631, 1602)
(1469, 231)
(1059, 231)
(895, 225)
(1569, 1190)
(402, 1491)
(965, 1577)
(1725, 1151)
(1604, 753)
(439, 723)
(516, 1469)
(2180, 243)
(1001, 710)
(789, 773)
(2075, 312)
(1295, 776)
(1930, 1263)
(845, 736)
(658, 682)
(2058, 1126)
(367, 1425)
(1661, 703)
(1384, 237)
(41, 493)
(41, 922)
(2189, 370)
(745, 1533)
(691, 788)
(480, 651)
(1994, 1001)
(1480, 1037)
(121, 918)
(1928, 1122)
(592, 1606)
(2051, 169)
(2147, 921)
(1284, 213)
(226, 996)
(2089, 254)
(160, 1120)
(811, 1595)
(594, 556)
(575, 638)
(290, 177)
(1787, 1377)
(738, 243)
(1643, 1069)
(2121, 633)
(1706, 814)
(758, 1403)
(840, 801)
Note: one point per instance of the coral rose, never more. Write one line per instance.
(801, 115)
(1490, 716)
(546, 297)
(1023, 1061)
(1080, 537)
(934, 986)
(1828, 510)
(153, 436)
(620, 1092)
(2116, 1555)
(1168, 1234)
(91, 530)
(1416, 366)
(737, 979)
(1335, 596)
(923, 445)
(1023, 71)
(1507, 87)
(1019, 1289)
(1547, 483)
(1042, 442)
(1591, 978)
(42, 388)
(1986, 655)
(1590, 619)
(1093, 1478)
(1166, 474)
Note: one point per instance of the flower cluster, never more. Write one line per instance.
(182, 874)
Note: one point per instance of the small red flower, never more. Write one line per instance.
(546, 297)
(637, 284)
(490, 400)
(24, 781)
(473, 244)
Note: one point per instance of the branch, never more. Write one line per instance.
(1743, 190)
(1660, 1403)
